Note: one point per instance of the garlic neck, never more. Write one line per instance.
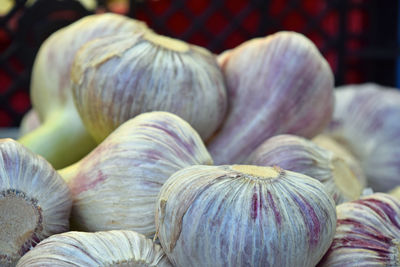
(68, 173)
(61, 139)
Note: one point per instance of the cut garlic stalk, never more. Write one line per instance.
(34, 201)
(116, 78)
(295, 153)
(108, 248)
(367, 233)
(366, 121)
(116, 185)
(244, 216)
(276, 85)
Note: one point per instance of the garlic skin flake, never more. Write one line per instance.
(298, 154)
(35, 202)
(50, 88)
(117, 184)
(366, 121)
(367, 233)
(106, 248)
(244, 215)
(277, 84)
(116, 78)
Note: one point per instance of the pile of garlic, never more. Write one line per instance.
(168, 155)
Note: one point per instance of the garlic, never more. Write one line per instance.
(34, 201)
(366, 121)
(51, 93)
(107, 248)
(116, 185)
(117, 77)
(277, 84)
(367, 233)
(295, 153)
(30, 121)
(244, 215)
(327, 142)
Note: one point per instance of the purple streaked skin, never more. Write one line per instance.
(368, 232)
(270, 93)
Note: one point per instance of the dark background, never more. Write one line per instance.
(359, 38)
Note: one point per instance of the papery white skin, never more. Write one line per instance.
(116, 185)
(277, 84)
(298, 154)
(106, 248)
(29, 176)
(217, 216)
(116, 78)
(367, 233)
(327, 142)
(366, 120)
(51, 93)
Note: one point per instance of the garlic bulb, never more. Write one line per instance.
(277, 84)
(108, 248)
(327, 142)
(366, 121)
(51, 93)
(117, 77)
(34, 201)
(367, 233)
(295, 153)
(116, 185)
(244, 215)
(30, 121)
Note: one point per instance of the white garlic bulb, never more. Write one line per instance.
(276, 85)
(34, 201)
(366, 121)
(118, 77)
(298, 154)
(107, 248)
(117, 184)
(51, 95)
(367, 233)
(244, 216)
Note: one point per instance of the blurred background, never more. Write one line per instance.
(359, 38)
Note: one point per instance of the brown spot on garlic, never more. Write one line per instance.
(366, 121)
(117, 184)
(301, 155)
(277, 84)
(107, 248)
(34, 201)
(367, 233)
(116, 78)
(221, 216)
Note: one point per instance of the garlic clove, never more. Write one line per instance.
(51, 93)
(34, 201)
(118, 77)
(295, 153)
(116, 185)
(277, 84)
(106, 248)
(244, 215)
(366, 121)
(30, 121)
(329, 143)
(367, 233)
